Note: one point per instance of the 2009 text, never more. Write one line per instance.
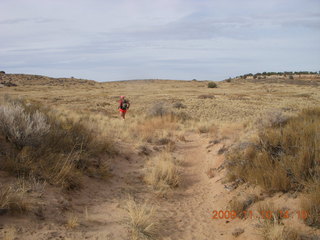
(225, 214)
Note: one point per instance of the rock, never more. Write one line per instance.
(216, 141)
(144, 150)
(233, 185)
(222, 150)
(237, 232)
(39, 213)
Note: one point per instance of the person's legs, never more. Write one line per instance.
(122, 114)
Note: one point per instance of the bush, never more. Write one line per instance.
(283, 158)
(22, 128)
(158, 110)
(59, 150)
(179, 105)
(272, 119)
(212, 85)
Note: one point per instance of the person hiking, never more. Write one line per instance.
(124, 105)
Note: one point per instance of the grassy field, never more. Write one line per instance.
(230, 102)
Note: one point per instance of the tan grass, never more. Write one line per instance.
(9, 233)
(155, 128)
(283, 158)
(72, 221)
(79, 98)
(61, 149)
(240, 205)
(141, 221)
(162, 172)
(274, 231)
(207, 127)
(269, 212)
(13, 198)
(311, 204)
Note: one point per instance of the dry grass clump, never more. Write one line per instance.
(13, 199)
(284, 157)
(275, 231)
(142, 221)
(241, 205)
(159, 109)
(179, 105)
(9, 233)
(207, 127)
(154, 129)
(270, 119)
(72, 221)
(162, 173)
(311, 204)
(269, 212)
(49, 146)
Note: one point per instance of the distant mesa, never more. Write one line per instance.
(298, 78)
(12, 80)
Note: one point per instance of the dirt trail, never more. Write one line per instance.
(189, 214)
(185, 214)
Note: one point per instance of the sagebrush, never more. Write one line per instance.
(38, 141)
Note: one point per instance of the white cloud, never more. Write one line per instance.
(173, 38)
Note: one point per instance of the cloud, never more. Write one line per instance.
(169, 38)
(28, 20)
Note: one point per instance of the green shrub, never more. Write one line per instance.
(212, 85)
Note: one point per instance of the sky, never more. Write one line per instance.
(107, 40)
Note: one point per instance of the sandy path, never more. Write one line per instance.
(185, 214)
(189, 212)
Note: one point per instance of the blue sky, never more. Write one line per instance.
(108, 40)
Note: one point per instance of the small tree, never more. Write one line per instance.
(212, 85)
